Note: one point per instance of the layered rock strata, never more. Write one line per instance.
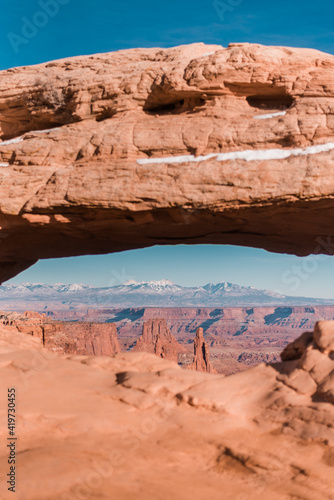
(192, 144)
(158, 339)
(98, 339)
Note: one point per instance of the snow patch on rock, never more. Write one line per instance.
(247, 155)
(270, 115)
(11, 141)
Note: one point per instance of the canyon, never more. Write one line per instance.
(100, 339)
(237, 337)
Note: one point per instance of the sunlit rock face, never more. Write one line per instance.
(135, 424)
(98, 339)
(158, 339)
(195, 144)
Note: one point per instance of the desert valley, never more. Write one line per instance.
(237, 337)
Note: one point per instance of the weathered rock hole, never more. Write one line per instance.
(164, 109)
(270, 102)
(173, 107)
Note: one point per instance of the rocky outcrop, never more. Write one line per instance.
(30, 322)
(158, 339)
(264, 433)
(201, 354)
(195, 144)
(94, 339)
(314, 355)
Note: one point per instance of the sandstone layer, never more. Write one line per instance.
(201, 354)
(158, 339)
(139, 427)
(193, 144)
(95, 339)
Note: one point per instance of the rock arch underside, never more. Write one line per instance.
(193, 144)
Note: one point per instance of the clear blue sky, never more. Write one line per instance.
(90, 26)
(74, 27)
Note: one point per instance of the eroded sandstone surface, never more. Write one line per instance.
(136, 426)
(192, 144)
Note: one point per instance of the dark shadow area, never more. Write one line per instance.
(270, 102)
(131, 314)
(280, 313)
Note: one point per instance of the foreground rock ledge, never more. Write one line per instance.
(92, 152)
(134, 425)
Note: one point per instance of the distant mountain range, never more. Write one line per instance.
(163, 293)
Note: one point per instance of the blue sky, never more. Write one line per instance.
(90, 26)
(74, 27)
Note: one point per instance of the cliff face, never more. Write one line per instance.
(100, 340)
(196, 144)
(201, 354)
(157, 339)
(83, 338)
(264, 433)
(69, 338)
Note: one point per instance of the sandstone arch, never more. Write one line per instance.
(125, 150)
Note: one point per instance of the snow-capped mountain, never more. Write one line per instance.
(161, 286)
(163, 293)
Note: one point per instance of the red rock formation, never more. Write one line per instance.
(201, 354)
(158, 339)
(99, 339)
(152, 123)
(94, 339)
(34, 315)
(245, 335)
(224, 322)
